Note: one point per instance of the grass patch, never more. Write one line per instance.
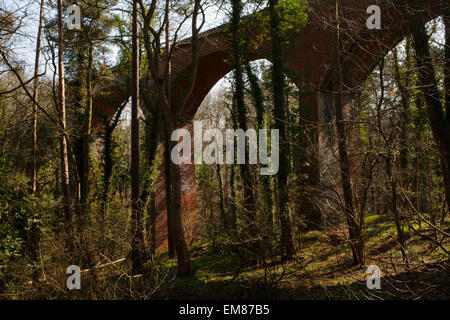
(376, 219)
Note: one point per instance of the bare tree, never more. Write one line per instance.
(356, 240)
(158, 70)
(137, 240)
(65, 175)
(34, 230)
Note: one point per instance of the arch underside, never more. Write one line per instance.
(310, 57)
(309, 60)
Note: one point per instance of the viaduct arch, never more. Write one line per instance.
(309, 62)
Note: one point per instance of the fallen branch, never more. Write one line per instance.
(103, 265)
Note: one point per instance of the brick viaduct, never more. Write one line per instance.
(309, 61)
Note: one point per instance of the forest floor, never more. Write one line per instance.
(322, 269)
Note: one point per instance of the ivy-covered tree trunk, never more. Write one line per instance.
(109, 128)
(223, 213)
(233, 206)
(249, 213)
(86, 135)
(169, 195)
(258, 100)
(137, 240)
(280, 116)
(148, 196)
(107, 168)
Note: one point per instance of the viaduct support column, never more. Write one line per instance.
(330, 176)
(305, 162)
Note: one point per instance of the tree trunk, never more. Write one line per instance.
(258, 100)
(183, 256)
(65, 178)
(167, 171)
(405, 98)
(356, 240)
(148, 195)
(170, 225)
(447, 98)
(35, 98)
(151, 223)
(34, 229)
(400, 234)
(249, 213)
(108, 160)
(222, 198)
(137, 243)
(171, 114)
(233, 207)
(434, 106)
(446, 19)
(280, 115)
(84, 187)
(430, 90)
